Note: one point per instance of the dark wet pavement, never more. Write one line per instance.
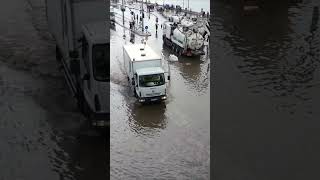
(266, 92)
(42, 134)
(160, 141)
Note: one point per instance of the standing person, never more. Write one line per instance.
(156, 27)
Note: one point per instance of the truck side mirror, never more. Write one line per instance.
(86, 77)
(132, 82)
(168, 78)
(75, 66)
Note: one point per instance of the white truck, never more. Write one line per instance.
(145, 72)
(81, 32)
(184, 40)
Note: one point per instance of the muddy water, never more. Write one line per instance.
(42, 136)
(160, 141)
(266, 92)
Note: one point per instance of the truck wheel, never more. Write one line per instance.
(180, 51)
(165, 41)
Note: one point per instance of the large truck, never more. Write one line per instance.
(81, 32)
(145, 73)
(183, 39)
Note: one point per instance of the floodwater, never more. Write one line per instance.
(266, 91)
(170, 140)
(42, 134)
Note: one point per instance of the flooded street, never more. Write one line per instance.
(266, 91)
(194, 5)
(170, 140)
(43, 136)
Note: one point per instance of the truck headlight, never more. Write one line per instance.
(164, 97)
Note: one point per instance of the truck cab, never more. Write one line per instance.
(150, 84)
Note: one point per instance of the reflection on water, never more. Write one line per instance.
(148, 119)
(40, 123)
(194, 70)
(266, 91)
(279, 58)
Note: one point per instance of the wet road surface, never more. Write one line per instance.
(42, 134)
(160, 141)
(266, 92)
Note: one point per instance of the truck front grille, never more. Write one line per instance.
(153, 94)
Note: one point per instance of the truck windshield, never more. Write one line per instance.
(151, 80)
(100, 62)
